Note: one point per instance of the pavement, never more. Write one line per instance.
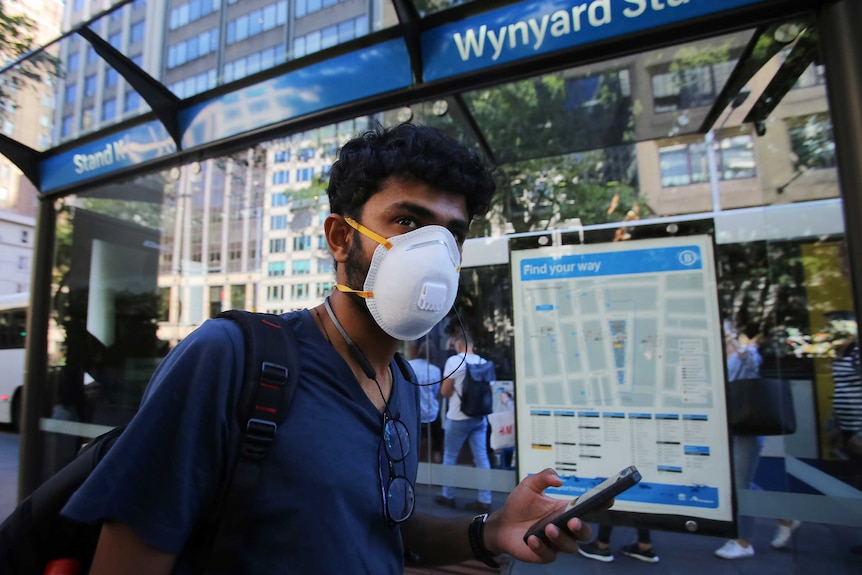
(816, 549)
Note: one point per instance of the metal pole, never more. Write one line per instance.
(35, 392)
(841, 51)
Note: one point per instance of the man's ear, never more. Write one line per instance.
(338, 235)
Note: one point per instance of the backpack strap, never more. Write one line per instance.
(270, 377)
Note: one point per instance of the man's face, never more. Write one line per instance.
(400, 207)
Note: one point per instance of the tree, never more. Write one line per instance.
(17, 40)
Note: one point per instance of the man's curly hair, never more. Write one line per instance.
(413, 153)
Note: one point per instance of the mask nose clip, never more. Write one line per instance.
(432, 297)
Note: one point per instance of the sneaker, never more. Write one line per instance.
(634, 551)
(783, 533)
(592, 551)
(733, 550)
(478, 507)
(445, 501)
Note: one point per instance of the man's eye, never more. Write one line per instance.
(409, 222)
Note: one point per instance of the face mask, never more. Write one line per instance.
(412, 280)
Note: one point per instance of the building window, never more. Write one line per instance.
(275, 293)
(91, 55)
(70, 94)
(278, 246)
(136, 33)
(276, 269)
(66, 129)
(109, 109)
(301, 243)
(111, 77)
(322, 289)
(300, 267)
(257, 21)
(299, 291)
(278, 222)
(73, 63)
(279, 199)
(324, 265)
(116, 40)
(689, 88)
(90, 85)
(686, 164)
(132, 101)
(88, 115)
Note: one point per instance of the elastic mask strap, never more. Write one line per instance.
(360, 293)
(368, 233)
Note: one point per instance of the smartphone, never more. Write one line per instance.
(593, 500)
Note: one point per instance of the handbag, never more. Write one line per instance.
(502, 429)
(761, 406)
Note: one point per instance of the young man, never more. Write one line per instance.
(328, 498)
(460, 427)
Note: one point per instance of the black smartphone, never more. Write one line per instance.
(593, 500)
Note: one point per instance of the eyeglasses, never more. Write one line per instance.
(398, 493)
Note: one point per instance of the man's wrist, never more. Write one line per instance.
(479, 536)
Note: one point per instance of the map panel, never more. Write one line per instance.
(619, 362)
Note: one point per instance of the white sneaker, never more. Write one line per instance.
(783, 533)
(733, 550)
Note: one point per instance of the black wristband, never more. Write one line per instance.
(477, 541)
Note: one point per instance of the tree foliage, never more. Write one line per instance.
(17, 40)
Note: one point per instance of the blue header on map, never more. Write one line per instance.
(646, 261)
(532, 28)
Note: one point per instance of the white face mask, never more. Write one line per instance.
(412, 280)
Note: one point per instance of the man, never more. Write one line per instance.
(460, 427)
(325, 500)
(428, 377)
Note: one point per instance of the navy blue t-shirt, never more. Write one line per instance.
(319, 501)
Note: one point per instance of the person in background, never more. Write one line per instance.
(429, 378)
(743, 362)
(460, 428)
(600, 550)
(847, 408)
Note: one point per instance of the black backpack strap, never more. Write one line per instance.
(270, 377)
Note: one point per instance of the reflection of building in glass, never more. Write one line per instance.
(27, 109)
(242, 231)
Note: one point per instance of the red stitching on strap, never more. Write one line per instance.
(268, 385)
(269, 323)
(266, 409)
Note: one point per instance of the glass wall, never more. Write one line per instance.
(708, 131)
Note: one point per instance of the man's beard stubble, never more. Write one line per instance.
(356, 270)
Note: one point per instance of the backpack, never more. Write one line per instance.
(36, 534)
(476, 394)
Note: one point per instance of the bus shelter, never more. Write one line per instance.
(186, 170)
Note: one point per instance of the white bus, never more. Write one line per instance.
(13, 334)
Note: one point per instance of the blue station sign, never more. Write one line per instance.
(120, 150)
(540, 27)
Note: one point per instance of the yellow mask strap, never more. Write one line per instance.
(368, 233)
(362, 294)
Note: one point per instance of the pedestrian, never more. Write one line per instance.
(461, 428)
(743, 362)
(600, 549)
(429, 377)
(327, 499)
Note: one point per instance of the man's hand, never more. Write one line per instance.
(505, 529)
